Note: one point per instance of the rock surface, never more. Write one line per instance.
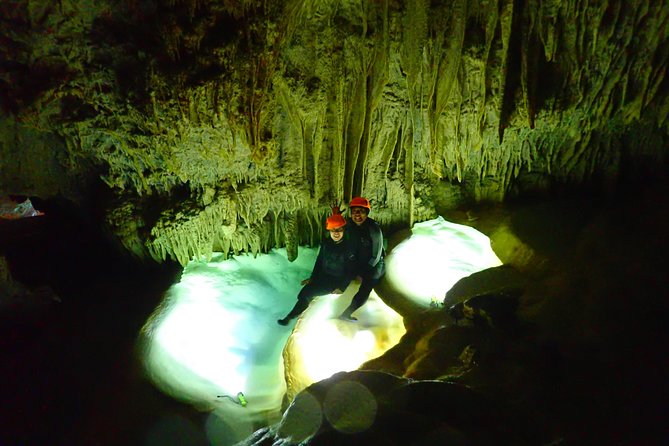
(557, 354)
(196, 126)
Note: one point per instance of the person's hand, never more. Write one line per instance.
(335, 208)
(337, 291)
(305, 281)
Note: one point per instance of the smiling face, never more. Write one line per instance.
(358, 215)
(337, 234)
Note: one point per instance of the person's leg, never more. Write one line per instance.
(306, 295)
(368, 283)
(299, 307)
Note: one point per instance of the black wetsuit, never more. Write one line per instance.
(371, 266)
(335, 267)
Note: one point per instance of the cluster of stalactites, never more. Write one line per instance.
(477, 94)
(331, 99)
(459, 94)
(252, 222)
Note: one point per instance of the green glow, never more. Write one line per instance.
(324, 345)
(350, 407)
(215, 336)
(438, 254)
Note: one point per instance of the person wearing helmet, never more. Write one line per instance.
(334, 268)
(370, 266)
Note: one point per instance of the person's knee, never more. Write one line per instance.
(366, 286)
(305, 296)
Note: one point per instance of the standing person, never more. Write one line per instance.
(371, 266)
(334, 269)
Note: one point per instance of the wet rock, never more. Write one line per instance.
(488, 281)
(364, 407)
(489, 298)
(490, 309)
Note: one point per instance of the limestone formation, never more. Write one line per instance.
(233, 125)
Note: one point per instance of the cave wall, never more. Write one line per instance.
(232, 126)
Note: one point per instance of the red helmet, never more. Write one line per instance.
(335, 221)
(360, 202)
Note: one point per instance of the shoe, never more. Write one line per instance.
(283, 321)
(348, 318)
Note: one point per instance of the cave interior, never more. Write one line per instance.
(149, 133)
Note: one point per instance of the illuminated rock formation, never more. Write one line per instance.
(321, 345)
(230, 126)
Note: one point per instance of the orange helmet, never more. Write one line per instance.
(360, 202)
(335, 221)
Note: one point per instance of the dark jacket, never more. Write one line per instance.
(371, 246)
(338, 260)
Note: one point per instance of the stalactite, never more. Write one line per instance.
(389, 148)
(491, 17)
(409, 175)
(506, 24)
(338, 132)
(528, 60)
(546, 19)
(292, 110)
(414, 47)
(449, 61)
(291, 230)
(355, 120)
(315, 145)
(376, 81)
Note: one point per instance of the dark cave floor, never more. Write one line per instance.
(69, 374)
(69, 371)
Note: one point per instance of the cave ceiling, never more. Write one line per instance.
(232, 125)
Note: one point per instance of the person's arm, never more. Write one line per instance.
(319, 262)
(352, 257)
(377, 244)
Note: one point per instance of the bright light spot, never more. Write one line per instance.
(438, 254)
(322, 345)
(350, 407)
(180, 336)
(216, 335)
(303, 419)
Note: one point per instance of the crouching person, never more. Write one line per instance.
(334, 268)
(371, 266)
